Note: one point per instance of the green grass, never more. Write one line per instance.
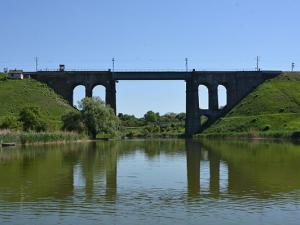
(17, 94)
(272, 109)
(43, 137)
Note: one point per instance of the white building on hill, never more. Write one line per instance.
(15, 74)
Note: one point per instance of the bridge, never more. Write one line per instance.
(237, 83)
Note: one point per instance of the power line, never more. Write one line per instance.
(36, 63)
(257, 63)
(186, 64)
(113, 64)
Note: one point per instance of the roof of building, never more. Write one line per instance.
(16, 71)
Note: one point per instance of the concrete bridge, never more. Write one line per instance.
(237, 83)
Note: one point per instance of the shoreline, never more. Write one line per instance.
(25, 139)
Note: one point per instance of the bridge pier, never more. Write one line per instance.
(88, 91)
(110, 95)
(213, 98)
(192, 122)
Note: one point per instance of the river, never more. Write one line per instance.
(151, 182)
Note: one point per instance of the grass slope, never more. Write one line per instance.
(17, 94)
(273, 108)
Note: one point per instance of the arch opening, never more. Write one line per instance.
(99, 91)
(203, 97)
(78, 95)
(222, 96)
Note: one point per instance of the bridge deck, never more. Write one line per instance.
(151, 75)
(142, 75)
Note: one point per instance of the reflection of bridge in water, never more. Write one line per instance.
(91, 170)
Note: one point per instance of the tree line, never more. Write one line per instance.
(94, 117)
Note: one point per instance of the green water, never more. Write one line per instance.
(151, 182)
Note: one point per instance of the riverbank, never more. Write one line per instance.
(274, 135)
(24, 138)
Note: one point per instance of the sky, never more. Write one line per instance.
(150, 35)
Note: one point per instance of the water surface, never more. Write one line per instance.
(151, 182)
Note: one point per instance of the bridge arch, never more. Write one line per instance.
(203, 91)
(222, 96)
(99, 90)
(79, 93)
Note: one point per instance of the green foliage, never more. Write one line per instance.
(181, 117)
(151, 117)
(18, 94)
(272, 109)
(130, 120)
(97, 117)
(94, 116)
(10, 122)
(72, 121)
(31, 119)
(3, 77)
(153, 125)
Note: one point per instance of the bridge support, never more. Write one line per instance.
(213, 98)
(192, 123)
(110, 95)
(88, 91)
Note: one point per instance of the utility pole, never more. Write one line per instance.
(113, 64)
(293, 67)
(36, 63)
(257, 63)
(186, 64)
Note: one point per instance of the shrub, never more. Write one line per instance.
(31, 119)
(266, 128)
(10, 122)
(72, 121)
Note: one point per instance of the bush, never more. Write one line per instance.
(3, 77)
(31, 119)
(72, 121)
(266, 128)
(10, 122)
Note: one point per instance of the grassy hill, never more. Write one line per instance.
(17, 94)
(272, 109)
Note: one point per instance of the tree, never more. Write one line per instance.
(151, 117)
(181, 117)
(31, 119)
(72, 121)
(94, 116)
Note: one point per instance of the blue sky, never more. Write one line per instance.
(145, 35)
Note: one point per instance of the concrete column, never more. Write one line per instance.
(192, 122)
(88, 91)
(69, 98)
(213, 98)
(110, 96)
